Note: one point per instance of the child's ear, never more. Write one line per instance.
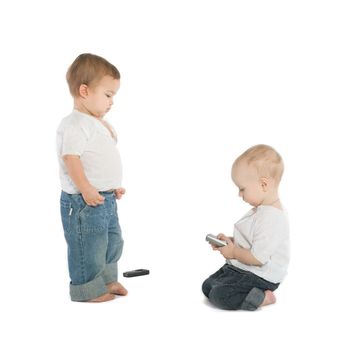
(83, 90)
(264, 181)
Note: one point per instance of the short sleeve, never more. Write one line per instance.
(270, 231)
(74, 141)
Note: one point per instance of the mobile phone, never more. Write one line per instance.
(134, 273)
(214, 240)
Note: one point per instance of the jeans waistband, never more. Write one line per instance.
(233, 267)
(109, 192)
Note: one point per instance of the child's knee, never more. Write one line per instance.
(224, 297)
(206, 287)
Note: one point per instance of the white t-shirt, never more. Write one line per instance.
(265, 232)
(85, 136)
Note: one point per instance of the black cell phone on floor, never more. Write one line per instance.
(134, 273)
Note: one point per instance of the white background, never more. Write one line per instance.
(201, 82)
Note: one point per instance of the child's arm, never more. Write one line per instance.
(76, 172)
(233, 251)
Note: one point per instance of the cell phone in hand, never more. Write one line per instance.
(212, 239)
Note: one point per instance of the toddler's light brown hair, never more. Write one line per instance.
(89, 69)
(265, 159)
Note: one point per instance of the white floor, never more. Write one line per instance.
(166, 310)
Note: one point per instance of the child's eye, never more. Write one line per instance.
(109, 96)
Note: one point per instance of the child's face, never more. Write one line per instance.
(99, 98)
(250, 185)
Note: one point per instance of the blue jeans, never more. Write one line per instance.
(231, 288)
(95, 244)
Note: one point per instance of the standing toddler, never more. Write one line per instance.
(91, 175)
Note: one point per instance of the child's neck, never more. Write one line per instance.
(273, 200)
(79, 106)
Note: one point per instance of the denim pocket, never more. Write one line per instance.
(66, 209)
(93, 219)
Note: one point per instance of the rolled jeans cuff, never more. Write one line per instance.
(110, 273)
(253, 300)
(89, 290)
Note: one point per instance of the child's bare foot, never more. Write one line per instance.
(102, 298)
(116, 288)
(269, 298)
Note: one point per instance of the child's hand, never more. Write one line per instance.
(92, 197)
(213, 246)
(223, 238)
(119, 192)
(228, 251)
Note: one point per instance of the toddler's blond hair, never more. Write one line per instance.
(265, 159)
(89, 69)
